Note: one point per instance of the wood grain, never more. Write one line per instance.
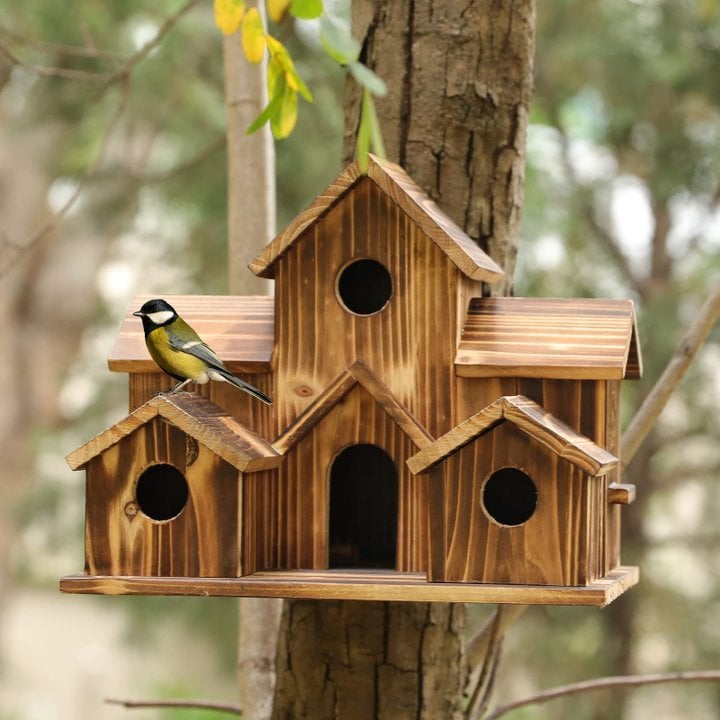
(532, 419)
(376, 585)
(238, 328)
(405, 193)
(196, 416)
(549, 338)
(554, 546)
(286, 514)
(409, 344)
(201, 541)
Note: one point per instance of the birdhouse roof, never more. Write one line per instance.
(571, 339)
(239, 328)
(529, 417)
(357, 374)
(196, 416)
(394, 182)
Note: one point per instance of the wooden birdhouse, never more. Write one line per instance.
(424, 442)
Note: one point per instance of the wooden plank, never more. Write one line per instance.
(558, 436)
(575, 338)
(409, 344)
(337, 585)
(120, 539)
(464, 252)
(238, 328)
(532, 419)
(621, 493)
(199, 418)
(294, 523)
(398, 186)
(357, 373)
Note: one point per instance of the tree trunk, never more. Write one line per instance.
(251, 226)
(460, 77)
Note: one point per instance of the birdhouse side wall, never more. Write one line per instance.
(202, 541)
(560, 544)
(409, 344)
(286, 512)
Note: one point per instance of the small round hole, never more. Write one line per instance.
(364, 286)
(161, 492)
(509, 496)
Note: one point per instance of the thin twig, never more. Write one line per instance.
(148, 178)
(480, 695)
(83, 51)
(53, 71)
(51, 222)
(687, 349)
(127, 67)
(194, 704)
(617, 681)
(476, 647)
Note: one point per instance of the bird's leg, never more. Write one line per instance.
(180, 386)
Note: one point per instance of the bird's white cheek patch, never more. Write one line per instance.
(161, 316)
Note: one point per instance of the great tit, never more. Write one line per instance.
(180, 352)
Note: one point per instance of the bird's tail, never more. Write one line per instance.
(223, 374)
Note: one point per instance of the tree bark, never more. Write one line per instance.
(460, 79)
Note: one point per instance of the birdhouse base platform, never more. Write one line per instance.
(357, 585)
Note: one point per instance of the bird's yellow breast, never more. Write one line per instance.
(175, 362)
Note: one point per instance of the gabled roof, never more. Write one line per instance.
(196, 416)
(239, 328)
(400, 188)
(574, 339)
(529, 417)
(357, 374)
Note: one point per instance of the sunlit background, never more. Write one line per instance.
(622, 200)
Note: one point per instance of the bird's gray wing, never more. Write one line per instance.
(197, 348)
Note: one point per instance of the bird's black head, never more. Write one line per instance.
(156, 313)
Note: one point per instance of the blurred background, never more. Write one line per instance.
(622, 200)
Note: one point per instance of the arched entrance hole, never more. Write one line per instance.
(363, 509)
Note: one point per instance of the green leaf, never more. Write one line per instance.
(363, 136)
(367, 78)
(376, 141)
(272, 109)
(283, 122)
(279, 53)
(306, 9)
(339, 44)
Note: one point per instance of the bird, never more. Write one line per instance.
(180, 351)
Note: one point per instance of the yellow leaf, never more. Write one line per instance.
(284, 122)
(253, 36)
(229, 15)
(276, 9)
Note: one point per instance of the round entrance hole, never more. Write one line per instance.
(509, 496)
(364, 286)
(161, 492)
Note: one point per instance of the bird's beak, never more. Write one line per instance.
(138, 313)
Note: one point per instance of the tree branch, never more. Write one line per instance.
(127, 67)
(194, 704)
(476, 648)
(486, 679)
(653, 405)
(20, 251)
(52, 71)
(618, 681)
